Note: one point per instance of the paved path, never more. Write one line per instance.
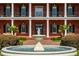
(45, 42)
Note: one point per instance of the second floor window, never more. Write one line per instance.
(23, 10)
(38, 11)
(54, 11)
(70, 11)
(7, 10)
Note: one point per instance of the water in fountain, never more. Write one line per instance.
(38, 47)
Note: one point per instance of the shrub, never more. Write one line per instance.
(58, 39)
(8, 40)
(71, 40)
(21, 40)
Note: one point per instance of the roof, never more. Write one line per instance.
(39, 1)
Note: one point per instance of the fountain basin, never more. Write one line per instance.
(29, 50)
(38, 37)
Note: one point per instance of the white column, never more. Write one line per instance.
(30, 21)
(65, 10)
(12, 15)
(47, 10)
(47, 28)
(65, 15)
(30, 10)
(65, 22)
(30, 28)
(47, 20)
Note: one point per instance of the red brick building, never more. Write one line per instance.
(39, 18)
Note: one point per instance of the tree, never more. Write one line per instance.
(13, 29)
(62, 29)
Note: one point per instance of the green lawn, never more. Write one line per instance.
(78, 53)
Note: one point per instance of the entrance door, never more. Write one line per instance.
(38, 29)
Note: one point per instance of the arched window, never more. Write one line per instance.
(6, 28)
(23, 28)
(7, 10)
(54, 11)
(70, 10)
(38, 11)
(23, 10)
(54, 28)
(71, 28)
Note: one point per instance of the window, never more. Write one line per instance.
(39, 27)
(39, 11)
(54, 11)
(22, 28)
(6, 28)
(71, 29)
(23, 10)
(70, 11)
(54, 28)
(7, 10)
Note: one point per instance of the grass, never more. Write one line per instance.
(77, 52)
(56, 39)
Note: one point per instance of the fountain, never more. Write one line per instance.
(39, 49)
(38, 38)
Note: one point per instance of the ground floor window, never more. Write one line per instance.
(71, 29)
(39, 29)
(23, 28)
(54, 28)
(6, 28)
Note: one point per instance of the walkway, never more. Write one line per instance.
(45, 42)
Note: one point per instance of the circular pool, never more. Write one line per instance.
(29, 50)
